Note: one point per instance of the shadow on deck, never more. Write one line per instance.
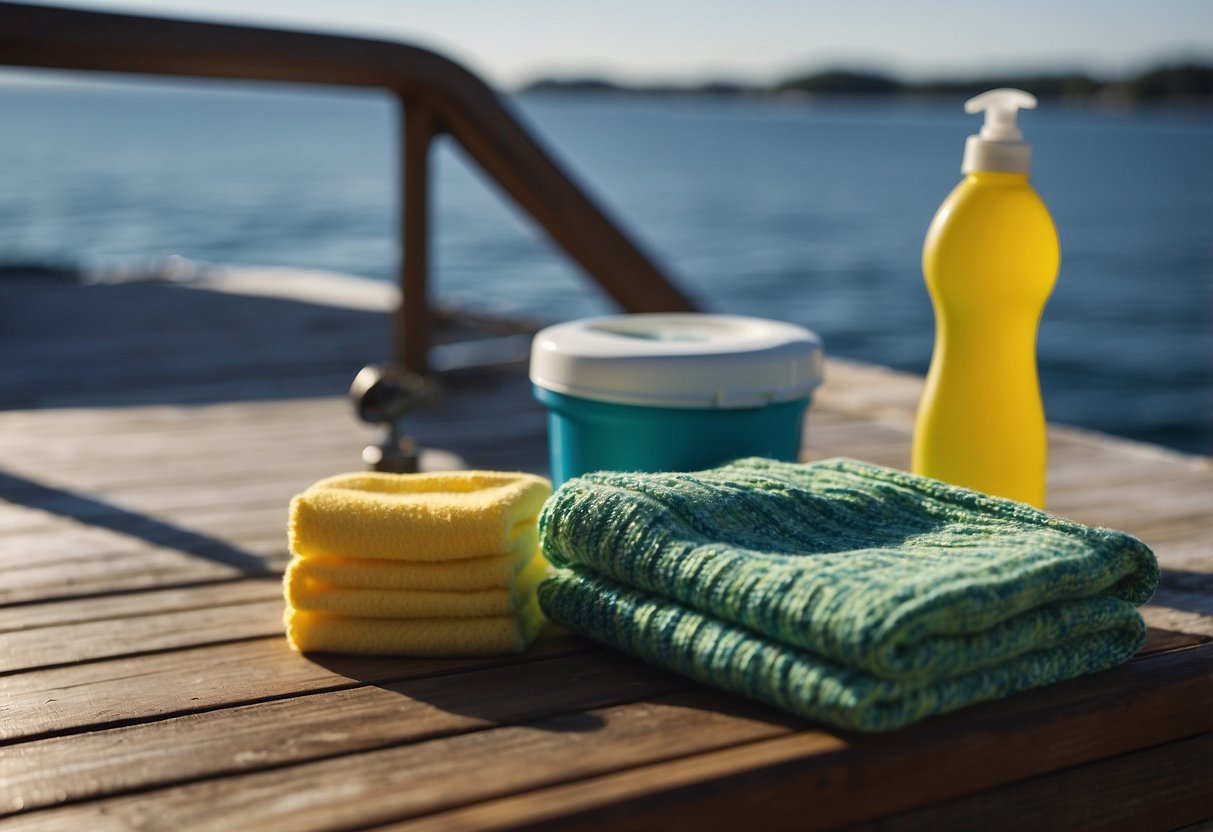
(72, 345)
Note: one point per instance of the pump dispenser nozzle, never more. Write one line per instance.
(999, 146)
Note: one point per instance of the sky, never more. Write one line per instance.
(756, 41)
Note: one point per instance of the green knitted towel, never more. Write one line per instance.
(842, 591)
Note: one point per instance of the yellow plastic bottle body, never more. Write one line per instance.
(990, 261)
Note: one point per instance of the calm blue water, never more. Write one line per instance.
(813, 214)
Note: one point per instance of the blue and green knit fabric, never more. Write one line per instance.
(845, 592)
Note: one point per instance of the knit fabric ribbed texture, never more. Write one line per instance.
(858, 595)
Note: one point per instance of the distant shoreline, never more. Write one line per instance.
(1189, 82)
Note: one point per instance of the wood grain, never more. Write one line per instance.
(290, 731)
(812, 780)
(111, 607)
(94, 640)
(147, 683)
(1161, 788)
(160, 685)
(430, 776)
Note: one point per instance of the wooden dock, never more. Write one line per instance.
(150, 439)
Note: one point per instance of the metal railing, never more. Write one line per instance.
(437, 96)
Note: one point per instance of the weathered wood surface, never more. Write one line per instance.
(144, 682)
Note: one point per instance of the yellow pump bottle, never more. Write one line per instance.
(990, 261)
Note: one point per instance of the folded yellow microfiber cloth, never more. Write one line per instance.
(482, 636)
(460, 575)
(306, 593)
(441, 564)
(433, 516)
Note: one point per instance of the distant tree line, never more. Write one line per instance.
(1180, 82)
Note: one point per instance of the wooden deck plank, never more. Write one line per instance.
(814, 780)
(121, 564)
(29, 617)
(70, 644)
(1187, 612)
(163, 525)
(171, 483)
(157, 428)
(204, 745)
(201, 616)
(1130, 506)
(1109, 794)
(208, 477)
(428, 776)
(143, 570)
(65, 543)
(304, 728)
(160, 685)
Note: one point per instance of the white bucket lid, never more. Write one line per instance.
(683, 360)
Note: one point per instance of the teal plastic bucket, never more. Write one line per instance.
(586, 435)
(672, 392)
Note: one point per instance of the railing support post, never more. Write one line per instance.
(411, 321)
(436, 95)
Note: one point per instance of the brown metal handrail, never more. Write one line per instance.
(437, 96)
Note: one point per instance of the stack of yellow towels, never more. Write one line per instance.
(435, 564)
